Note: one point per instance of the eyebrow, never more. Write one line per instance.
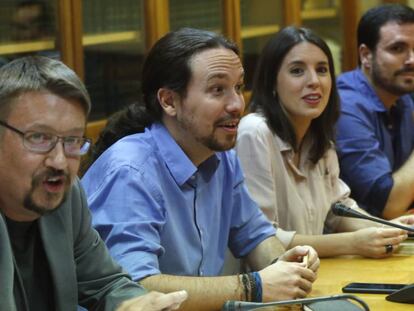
(397, 42)
(299, 62)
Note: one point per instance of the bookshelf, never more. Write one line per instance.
(111, 37)
(319, 13)
(105, 41)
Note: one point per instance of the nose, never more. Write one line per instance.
(313, 79)
(410, 58)
(56, 157)
(236, 104)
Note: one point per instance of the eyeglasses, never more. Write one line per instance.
(39, 142)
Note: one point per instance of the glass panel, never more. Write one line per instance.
(260, 19)
(206, 14)
(323, 16)
(27, 28)
(113, 44)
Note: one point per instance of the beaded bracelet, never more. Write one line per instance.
(245, 281)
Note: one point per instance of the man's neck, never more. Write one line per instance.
(388, 99)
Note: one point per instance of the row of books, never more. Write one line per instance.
(101, 16)
(205, 14)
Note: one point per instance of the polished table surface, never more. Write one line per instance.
(334, 273)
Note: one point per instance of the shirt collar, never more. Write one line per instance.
(288, 153)
(177, 162)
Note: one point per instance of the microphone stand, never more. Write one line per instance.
(233, 305)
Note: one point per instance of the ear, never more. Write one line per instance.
(168, 100)
(365, 55)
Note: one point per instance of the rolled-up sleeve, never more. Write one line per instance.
(249, 225)
(129, 218)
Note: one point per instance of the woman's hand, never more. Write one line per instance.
(377, 242)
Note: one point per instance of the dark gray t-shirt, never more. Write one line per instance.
(31, 267)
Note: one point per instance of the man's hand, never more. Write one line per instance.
(154, 301)
(290, 277)
(298, 253)
(407, 220)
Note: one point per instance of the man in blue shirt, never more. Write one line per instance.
(172, 195)
(375, 139)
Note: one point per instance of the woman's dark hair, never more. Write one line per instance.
(168, 65)
(266, 100)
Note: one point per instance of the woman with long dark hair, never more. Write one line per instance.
(286, 148)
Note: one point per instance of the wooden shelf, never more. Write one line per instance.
(26, 47)
(111, 37)
(87, 40)
(319, 13)
(248, 32)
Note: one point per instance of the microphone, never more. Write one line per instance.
(233, 305)
(341, 210)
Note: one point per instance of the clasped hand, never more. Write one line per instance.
(290, 277)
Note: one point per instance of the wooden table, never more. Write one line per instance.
(334, 273)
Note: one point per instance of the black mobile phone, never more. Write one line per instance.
(372, 288)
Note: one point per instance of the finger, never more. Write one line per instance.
(314, 266)
(305, 273)
(391, 232)
(301, 294)
(305, 286)
(407, 220)
(393, 240)
(295, 254)
(170, 299)
(396, 235)
(139, 300)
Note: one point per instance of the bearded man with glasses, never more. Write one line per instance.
(51, 258)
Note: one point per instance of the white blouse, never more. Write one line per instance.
(297, 199)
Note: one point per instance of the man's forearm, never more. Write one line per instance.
(264, 253)
(402, 193)
(204, 293)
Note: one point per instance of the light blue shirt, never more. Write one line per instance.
(158, 213)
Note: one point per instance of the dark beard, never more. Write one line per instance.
(209, 141)
(212, 144)
(387, 85)
(30, 205)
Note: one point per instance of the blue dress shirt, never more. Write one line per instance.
(158, 213)
(370, 145)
